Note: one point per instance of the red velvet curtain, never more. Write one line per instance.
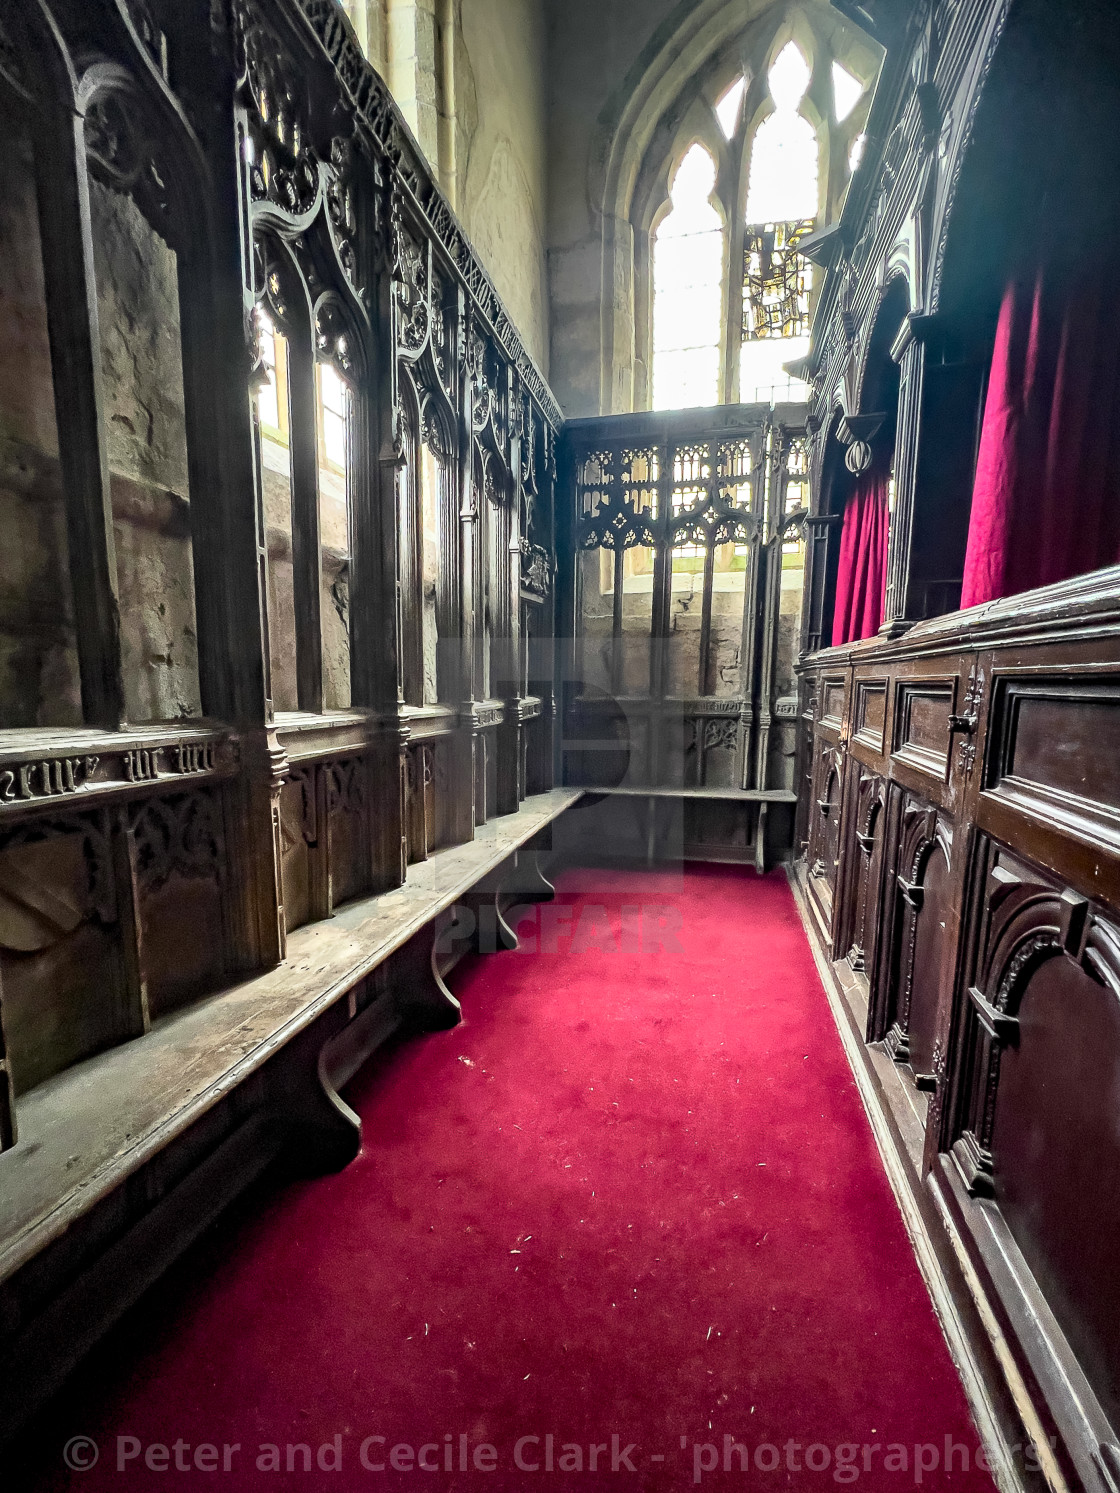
(861, 580)
(1046, 499)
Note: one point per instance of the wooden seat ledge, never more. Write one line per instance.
(83, 1132)
(726, 795)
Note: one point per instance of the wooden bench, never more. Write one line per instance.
(763, 797)
(124, 1159)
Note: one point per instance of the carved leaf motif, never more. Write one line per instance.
(721, 735)
(1038, 946)
(535, 570)
(411, 288)
(346, 786)
(281, 170)
(340, 207)
(177, 834)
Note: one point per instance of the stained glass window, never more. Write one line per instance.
(769, 179)
(776, 281)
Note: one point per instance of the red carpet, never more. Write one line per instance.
(632, 1203)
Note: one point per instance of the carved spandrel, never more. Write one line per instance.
(411, 286)
(125, 151)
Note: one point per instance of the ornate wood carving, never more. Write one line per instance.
(379, 121)
(869, 816)
(924, 834)
(270, 158)
(33, 914)
(179, 834)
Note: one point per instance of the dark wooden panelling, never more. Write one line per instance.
(871, 713)
(1055, 756)
(824, 836)
(50, 1019)
(978, 894)
(862, 866)
(1067, 740)
(1056, 1154)
(181, 872)
(349, 843)
(65, 987)
(299, 837)
(921, 732)
(184, 941)
(832, 695)
(931, 949)
(1000, 851)
(919, 937)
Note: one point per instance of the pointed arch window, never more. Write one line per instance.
(781, 208)
(785, 153)
(688, 260)
(730, 295)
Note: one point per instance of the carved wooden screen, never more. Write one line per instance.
(680, 525)
(301, 629)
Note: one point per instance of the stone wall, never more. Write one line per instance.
(631, 83)
(593, 47)
(145, 430)
(469, 77)
(502, 194)
(138, 310)
(38, 661)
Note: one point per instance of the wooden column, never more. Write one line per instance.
(909, 352)
(771, 556)
(506, 665)
(462, 546)
(660, 607)
(226, 508)
(704, 670)
(752, 602)
(375, 637)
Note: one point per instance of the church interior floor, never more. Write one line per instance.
(631, 1207)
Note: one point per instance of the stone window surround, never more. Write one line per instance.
(672, 107)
